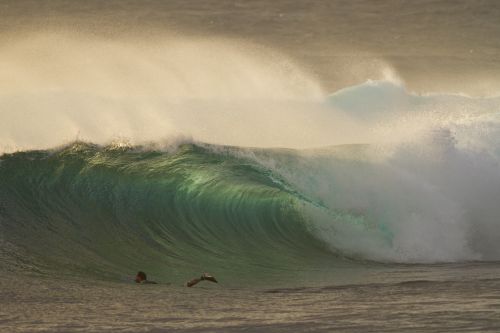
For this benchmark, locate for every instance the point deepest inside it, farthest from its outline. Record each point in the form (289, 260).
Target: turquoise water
(269, 215)
(107, 212)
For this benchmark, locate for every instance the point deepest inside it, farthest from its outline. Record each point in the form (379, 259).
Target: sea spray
(416, 179)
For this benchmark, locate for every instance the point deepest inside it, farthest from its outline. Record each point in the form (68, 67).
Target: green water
(107, 212)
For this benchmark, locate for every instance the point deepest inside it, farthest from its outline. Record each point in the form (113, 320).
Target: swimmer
(204, 276)
(142, 278)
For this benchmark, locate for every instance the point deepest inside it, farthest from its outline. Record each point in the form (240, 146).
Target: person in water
(142, 278)
(204, 276)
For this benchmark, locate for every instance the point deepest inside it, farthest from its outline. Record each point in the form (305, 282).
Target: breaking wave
(398, 176)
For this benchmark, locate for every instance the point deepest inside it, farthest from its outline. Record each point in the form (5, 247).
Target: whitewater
(178, 156)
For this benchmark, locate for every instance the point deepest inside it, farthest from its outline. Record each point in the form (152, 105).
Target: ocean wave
(101, 210)
(106, 210)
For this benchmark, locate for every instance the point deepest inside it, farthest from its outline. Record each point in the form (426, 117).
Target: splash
(55, 87)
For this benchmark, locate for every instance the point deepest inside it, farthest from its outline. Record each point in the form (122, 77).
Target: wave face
(109, 210)
(87, 209)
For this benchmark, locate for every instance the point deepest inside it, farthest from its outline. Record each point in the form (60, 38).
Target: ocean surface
(334, 164)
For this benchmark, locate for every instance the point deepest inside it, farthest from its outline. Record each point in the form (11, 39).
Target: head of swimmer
(141, 276)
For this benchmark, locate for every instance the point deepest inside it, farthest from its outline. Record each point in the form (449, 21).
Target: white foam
(427, 187)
